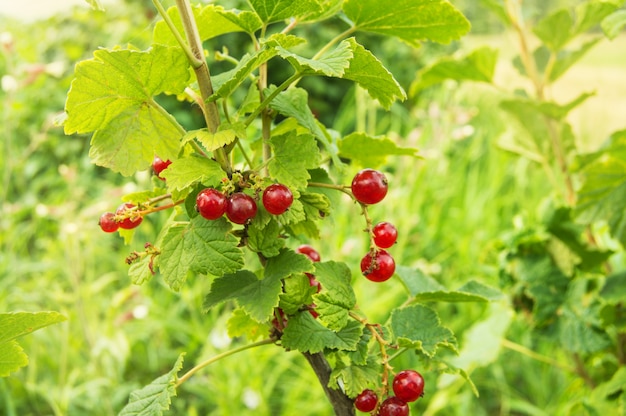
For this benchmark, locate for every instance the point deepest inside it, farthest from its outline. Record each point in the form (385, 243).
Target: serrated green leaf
(371, 151)
(590, 14)
(419, 327)
(293, 155)
(112, 95)
(306, 334)
(361, 355)
(276, 10)
(316, 206)
(479, 66)
(17, 324)
(555, 29)
(297, 292)
(286, 263)
(265, 240)
(248, 21)
(327, 9)
(410, 20)
(578, 335)
(186, 172)
(225, 135)
(199, 246)
(613, 24)
(355, 378)
(337, 297)
(242, 324)
(294, 102)
(141, 271)
(565, 59)
(331, 64)
(603, 190)
(614, 289)
(154, 398)
(367, 71)
(210, 20)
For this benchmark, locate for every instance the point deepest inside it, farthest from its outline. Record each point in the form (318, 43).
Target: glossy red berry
(310, 252)
(159, 165)
(277, 198)
(211, 203)
(129, 222)
(385, 234)
(366, 401)
(369, 186)
(408, 385)
(378, 266)
(393, 406)
(107, 222)
(240, 208)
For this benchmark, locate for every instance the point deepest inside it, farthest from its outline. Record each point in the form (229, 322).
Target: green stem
(218, 357)
(195, 62)
(535, 356)
(267, 100)
(333, 41)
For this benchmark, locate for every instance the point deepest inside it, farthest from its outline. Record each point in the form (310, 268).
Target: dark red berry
(211, 203)
(385, 234)
(277, 198)
(313, 282)
(408, 385)
(312, 311)
(159, 165)
(107, 222)
(310, 252)
(240, 208)
(366, 401)
(378, 266)
(130, 221)
(369, 186)
(393, 406)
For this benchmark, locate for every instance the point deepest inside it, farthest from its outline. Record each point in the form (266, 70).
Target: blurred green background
(451, 208)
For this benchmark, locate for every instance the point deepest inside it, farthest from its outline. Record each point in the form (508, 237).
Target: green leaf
(199, 246)
(555, 30)
(275, 10)
(96, 5)
(185, 172)
(154, 398)
(355, 378)
(565, 59)
(331, 64)
(367, 71)
(258, 297)
(603, 190)
(337, 297)
(327, 9)
(17, 324)
(426, 289)
(371, 151)
(242, 324)
(613, 24)
(477, 66)
(306, 334)
(112, 95)
(294, 102)
(226, 134)
(591, 13)
(211, 21)
(293, 155)
(265, 240)
(410, 20)
(614, 289)
(419, 327)
(578, 335)
(248, 21)
(297, 292)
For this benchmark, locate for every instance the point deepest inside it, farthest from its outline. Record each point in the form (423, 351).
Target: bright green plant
(247, 192)
(561, 271)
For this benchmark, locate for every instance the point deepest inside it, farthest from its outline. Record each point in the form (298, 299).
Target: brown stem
(342, 404)
(582, 371)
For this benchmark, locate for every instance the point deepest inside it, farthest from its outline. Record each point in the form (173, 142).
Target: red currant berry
(366, 401)
(240, 208)
(408, 385)
(128, 223)
(385, 234)
(277, 198)
(310, 252)
(393, 406)
(312, 311)
(313, 282)
(378, 266)
(369, 186)
(211, 203)
(159, 165)
(107, 222)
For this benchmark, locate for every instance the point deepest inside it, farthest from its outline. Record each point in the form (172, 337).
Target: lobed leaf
(306, 334)
(337, 297)
(355, 378)
(276, 10)
(331, 64)
(419, 327)
(293, 156)
(410, 20)
(185, 172)
(154, 398)
(371, 151)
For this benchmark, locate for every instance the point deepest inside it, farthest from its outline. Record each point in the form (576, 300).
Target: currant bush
(211, 203)
(378, 266)
(369, 186)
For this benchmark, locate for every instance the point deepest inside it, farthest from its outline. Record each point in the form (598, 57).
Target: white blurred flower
(41, 210)
(9, 83)
(140, 311)
(219, 338)
(251, 398)
(6, 40)
(56, 69)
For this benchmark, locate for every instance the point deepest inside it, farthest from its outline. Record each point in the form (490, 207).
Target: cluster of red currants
(369, 187)
(124, 217)
(240, 207)
(408, 386)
